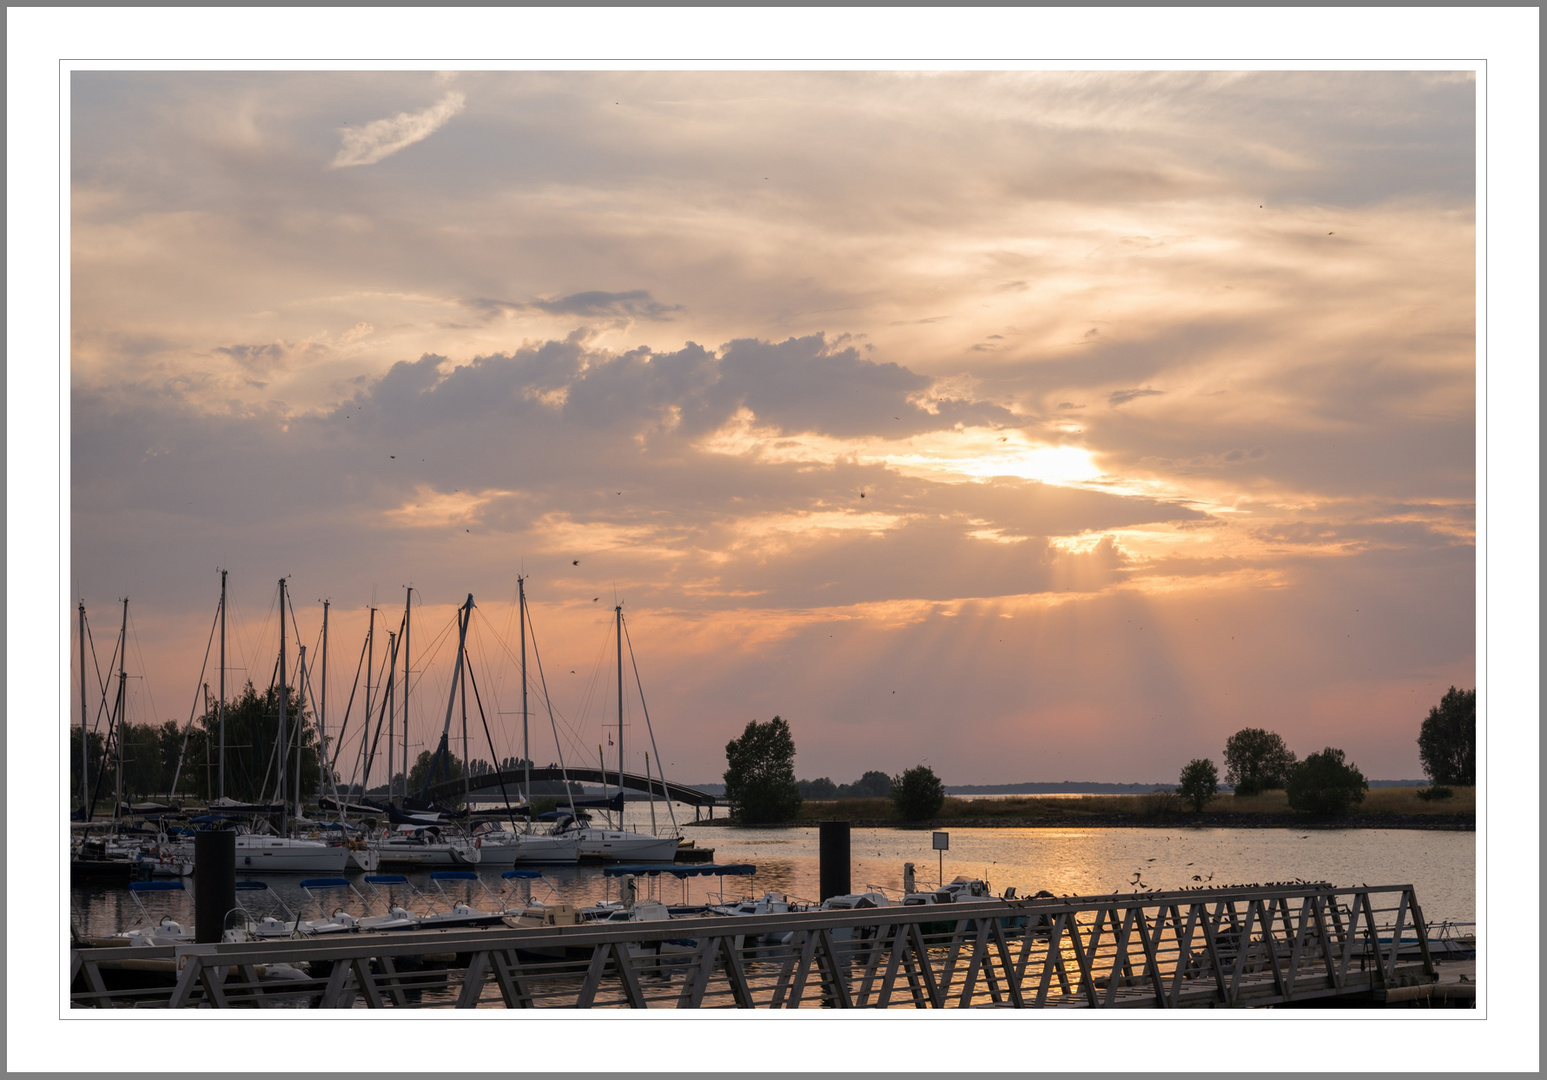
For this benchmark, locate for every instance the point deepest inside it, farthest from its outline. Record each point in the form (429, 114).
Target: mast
(223, 684)
(526, 746)
(322, 718)
(123, 678)
(392, 720)
(467, 777)
(619, 612)
(407, 611)
(284, 704)
(370, 647)
(370, 661)
(208, 764)
(650, 784)
(465, 616)
(300, 681)
(85, 768)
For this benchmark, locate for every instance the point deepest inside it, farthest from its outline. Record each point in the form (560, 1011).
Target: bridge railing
(1235, 947)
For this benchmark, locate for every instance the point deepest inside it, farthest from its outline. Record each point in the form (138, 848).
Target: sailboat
(620, 844)
(255, 852)
(505, 848)
(421, 838)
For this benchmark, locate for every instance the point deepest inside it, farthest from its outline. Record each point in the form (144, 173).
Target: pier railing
(1246, 946)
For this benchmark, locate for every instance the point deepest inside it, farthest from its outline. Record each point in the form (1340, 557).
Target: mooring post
(214, 889)
(833, 875)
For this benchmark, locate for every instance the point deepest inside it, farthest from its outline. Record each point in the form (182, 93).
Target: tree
(448, 768)
(873, 785)
(252, 728)
(1199, 783)
(1447, 742)
(760, 774)
(1323, 784)
(820, 788)
(95, 747)
(918, 794)
(1257, 760)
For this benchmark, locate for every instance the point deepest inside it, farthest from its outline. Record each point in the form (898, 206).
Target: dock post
(214, 888)
(833, 848)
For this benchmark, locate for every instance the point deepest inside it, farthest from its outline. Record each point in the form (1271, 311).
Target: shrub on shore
(1325, 784)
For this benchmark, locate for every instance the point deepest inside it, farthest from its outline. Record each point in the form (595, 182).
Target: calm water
(1442, 866)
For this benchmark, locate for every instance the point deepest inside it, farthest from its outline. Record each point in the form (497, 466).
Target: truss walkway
(1216, 948)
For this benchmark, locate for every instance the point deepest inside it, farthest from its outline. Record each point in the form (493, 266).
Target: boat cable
(306, 693)
(194, 708)
(660, 765)
(344, 726)
(381, 716)
(473, 682)
(548, 701)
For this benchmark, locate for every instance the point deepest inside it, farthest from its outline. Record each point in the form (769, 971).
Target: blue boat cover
(521, 874)
(386, 879)
(324, 882)
(155, 886)
(249, 886)
(453, 875)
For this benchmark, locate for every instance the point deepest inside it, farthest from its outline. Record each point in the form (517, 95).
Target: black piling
(833, 876)
(214, 891)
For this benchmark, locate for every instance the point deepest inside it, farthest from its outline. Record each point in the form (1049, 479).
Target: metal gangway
(1247, 946)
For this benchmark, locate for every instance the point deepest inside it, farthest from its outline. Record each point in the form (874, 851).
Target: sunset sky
(1032, 425)
(1181, 398)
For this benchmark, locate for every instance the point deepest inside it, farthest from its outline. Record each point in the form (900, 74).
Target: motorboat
(244, 924)
(460, 912)
(165, 930)
(844, 902)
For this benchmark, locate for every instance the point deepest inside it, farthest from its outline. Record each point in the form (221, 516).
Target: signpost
(942, 845)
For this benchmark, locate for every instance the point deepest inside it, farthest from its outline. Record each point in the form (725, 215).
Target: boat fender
(478, 841)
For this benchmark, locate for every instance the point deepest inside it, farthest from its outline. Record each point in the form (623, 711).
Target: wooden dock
(1244, 947)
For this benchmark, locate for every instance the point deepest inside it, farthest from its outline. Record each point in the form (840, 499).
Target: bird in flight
(575, 563)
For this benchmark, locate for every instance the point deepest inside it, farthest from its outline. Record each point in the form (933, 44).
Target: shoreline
(1433, 822)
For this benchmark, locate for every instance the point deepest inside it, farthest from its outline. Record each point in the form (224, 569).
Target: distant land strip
(1074, 787)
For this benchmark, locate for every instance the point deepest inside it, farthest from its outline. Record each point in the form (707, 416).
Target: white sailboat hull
(278, 854)
(429, 856)
(529, 850)
(626, 846)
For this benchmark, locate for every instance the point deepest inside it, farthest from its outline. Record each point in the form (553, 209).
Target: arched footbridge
(487, 784)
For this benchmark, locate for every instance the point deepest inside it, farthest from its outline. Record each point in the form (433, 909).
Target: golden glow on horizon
(957, 456)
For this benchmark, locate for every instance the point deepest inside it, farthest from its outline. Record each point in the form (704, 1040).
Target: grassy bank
(1381, 806)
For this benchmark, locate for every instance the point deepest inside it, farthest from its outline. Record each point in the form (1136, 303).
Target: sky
(1032, 425)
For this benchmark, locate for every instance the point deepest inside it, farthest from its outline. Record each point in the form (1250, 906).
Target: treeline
(151, 752)
(873, 785)
(451, 769)
(1326, 783)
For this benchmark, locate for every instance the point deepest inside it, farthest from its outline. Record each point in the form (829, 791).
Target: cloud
(633, 304)
(258, 359)
(1122, 397)
(382, 138)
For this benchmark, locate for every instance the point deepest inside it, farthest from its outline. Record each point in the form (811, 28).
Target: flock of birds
(1138, 886)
